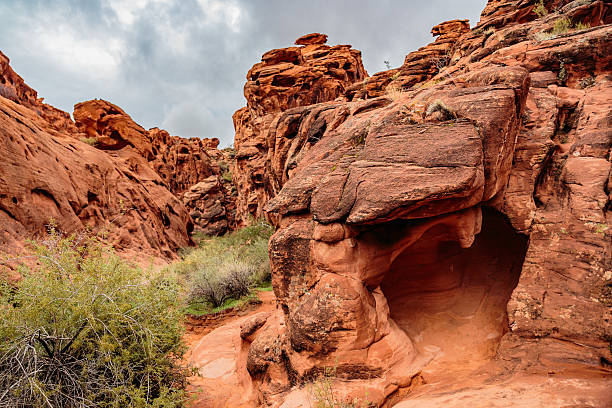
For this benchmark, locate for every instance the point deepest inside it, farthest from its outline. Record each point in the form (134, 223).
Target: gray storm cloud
(181, 64)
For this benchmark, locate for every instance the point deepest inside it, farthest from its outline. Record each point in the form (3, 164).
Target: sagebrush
(222, 269)
(84, 329)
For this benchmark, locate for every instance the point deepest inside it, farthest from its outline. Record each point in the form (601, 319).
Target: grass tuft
(439, 106)
(540, 9)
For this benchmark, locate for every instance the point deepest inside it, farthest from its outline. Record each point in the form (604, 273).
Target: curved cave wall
(451, 301)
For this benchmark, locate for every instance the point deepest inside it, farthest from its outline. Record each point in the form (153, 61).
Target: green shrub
(227, 176)
(226, 173)
(86, 329)
(230, 279)
(540, 10)
(92, 141)
(562, 74)
(581, 26)
(224, 269)
(562, 26)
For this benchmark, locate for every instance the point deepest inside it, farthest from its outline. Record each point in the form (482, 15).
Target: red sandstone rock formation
(285, 79)
(111, 128)
(206, 201)
(48, 175)
(313, 38)
(418, 66)
(181, 163)
(455, 231)
(105, 171)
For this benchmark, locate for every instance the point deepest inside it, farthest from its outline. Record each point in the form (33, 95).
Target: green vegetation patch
(224, 271)
(92, 141)
(84, 328)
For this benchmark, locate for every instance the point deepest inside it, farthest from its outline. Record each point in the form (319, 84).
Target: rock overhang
(395, 159)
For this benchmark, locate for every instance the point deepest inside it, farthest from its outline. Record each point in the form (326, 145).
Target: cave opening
(451, 301)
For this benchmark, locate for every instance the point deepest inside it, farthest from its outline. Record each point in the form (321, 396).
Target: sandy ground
(219, 354)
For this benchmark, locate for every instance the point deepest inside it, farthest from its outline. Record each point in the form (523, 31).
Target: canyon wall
(448, 219)
(104, 172)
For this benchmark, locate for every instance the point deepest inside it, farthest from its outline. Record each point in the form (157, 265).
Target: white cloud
(222, 12)
(127, 10)
(61, 37)
(95, 58)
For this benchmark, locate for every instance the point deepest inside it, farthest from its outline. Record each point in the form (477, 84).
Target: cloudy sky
(181, 64)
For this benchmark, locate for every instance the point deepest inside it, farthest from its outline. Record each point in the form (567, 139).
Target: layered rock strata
(285, 79)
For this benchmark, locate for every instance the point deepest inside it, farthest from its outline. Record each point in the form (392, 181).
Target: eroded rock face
(110, 128)
(181, 163)
(103, 172)
(206, 201)
(458, 225)
(48, 175)
(286, 79)
(313, 38)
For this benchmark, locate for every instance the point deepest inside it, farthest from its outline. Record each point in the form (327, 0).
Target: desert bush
(92, 141)
(439, 106)
(394, 91)
(226, 176)
(562, 26)
(441, 62)
(230, 279)
(562, 74)
(581, 26)
(540, 9)
(587, 82)
(226, 173)
(322, 394)
(86, 329)
(222, 269)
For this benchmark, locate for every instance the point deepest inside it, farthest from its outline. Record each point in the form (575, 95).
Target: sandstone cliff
(181, 163)
(444, 221)
(103, 171)
(286, 79)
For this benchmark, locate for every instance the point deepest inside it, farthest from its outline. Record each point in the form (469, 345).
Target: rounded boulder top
(312, 38)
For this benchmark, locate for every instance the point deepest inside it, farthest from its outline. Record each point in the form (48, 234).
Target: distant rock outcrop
(285, 80)
(181, 163)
